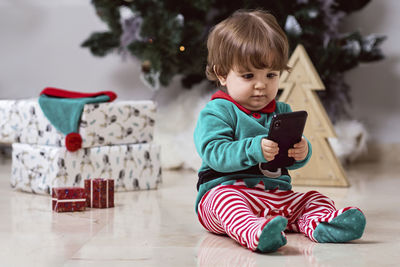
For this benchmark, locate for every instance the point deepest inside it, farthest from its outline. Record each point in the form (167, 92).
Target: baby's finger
(269, 149)
(270, 158)
(298, 145)
(296, 153)
(294, 150)
(299, 150)
(303, 142)
(269, 143)
(299, 157)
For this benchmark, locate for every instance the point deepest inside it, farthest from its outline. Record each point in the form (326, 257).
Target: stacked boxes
(116, 144)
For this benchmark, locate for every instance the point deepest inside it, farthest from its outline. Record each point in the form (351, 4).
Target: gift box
(66, 199)
(99, 193)
(111, 123)
(37, 168)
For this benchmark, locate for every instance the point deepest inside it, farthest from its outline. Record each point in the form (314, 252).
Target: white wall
(40, 46)
(376, 86)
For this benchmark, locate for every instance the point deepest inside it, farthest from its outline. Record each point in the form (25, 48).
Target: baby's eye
(271, 75)
(248, 76)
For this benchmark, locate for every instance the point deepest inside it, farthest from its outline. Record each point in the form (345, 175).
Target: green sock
(346, 227)
(271, 237)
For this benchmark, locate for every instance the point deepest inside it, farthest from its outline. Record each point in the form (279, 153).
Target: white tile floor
(160, 228)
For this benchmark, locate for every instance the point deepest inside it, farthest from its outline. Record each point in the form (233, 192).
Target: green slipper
(347, 226)
(271, 237)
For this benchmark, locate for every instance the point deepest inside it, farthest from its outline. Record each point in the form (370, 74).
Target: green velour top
(229, 140)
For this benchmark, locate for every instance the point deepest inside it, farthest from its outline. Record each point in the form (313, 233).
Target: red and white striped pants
(242, 212)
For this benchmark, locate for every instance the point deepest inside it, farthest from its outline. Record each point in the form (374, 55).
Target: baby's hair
(245, 40)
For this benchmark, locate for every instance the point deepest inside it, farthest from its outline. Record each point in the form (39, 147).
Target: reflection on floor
(160, 228)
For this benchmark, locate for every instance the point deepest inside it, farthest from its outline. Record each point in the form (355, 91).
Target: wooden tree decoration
(299, 86)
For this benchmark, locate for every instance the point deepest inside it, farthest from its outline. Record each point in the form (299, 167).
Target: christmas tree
(169, 37)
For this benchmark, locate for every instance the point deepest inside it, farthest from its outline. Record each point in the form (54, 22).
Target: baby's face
(254, 89)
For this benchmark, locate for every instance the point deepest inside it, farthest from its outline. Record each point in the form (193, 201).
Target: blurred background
(41, 46)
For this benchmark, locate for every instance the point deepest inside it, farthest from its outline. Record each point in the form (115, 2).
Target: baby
(246, 54)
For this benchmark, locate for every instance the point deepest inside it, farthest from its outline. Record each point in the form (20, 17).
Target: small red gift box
(68, 199)
(99, 193)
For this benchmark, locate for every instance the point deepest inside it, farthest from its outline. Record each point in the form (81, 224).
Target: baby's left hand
(299, 150)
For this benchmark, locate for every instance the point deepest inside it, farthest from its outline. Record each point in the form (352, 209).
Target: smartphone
(286, 129)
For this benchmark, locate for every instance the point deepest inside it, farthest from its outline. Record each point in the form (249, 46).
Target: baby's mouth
(259, 96)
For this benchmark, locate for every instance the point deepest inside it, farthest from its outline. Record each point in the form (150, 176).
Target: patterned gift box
(68, 199)
(99, 193)
(113, 123)
(38, 168)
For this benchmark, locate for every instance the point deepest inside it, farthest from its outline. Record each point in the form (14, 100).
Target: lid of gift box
(101, 124)
(68, 192)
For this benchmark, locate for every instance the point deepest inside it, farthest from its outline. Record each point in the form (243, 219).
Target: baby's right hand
(269, 149)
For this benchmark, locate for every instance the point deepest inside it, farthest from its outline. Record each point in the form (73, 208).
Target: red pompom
(73, 142)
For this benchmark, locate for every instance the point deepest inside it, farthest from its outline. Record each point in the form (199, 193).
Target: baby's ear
(221, 79)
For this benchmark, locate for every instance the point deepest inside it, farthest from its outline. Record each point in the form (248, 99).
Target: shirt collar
(267, 109)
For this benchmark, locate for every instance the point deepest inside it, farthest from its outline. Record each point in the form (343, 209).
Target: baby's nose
(259, 85)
